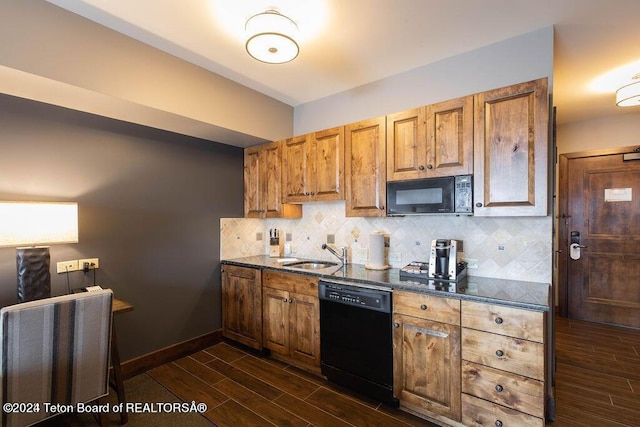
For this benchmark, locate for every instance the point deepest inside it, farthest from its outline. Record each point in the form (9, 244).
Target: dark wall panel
(150, 204)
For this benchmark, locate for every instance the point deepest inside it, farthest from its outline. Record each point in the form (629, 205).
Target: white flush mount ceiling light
(629, 95)
(271, 37)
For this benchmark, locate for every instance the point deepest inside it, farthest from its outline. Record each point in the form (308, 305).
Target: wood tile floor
(597, 384)
(242, 388)
(598, 375)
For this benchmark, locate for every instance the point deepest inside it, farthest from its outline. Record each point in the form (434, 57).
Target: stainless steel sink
(311, 264)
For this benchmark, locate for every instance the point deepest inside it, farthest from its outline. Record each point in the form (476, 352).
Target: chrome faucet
(342, 258)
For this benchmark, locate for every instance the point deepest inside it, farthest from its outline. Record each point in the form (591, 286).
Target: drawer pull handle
(498, 423)
(499, 353)
(499, 388)
(499, 320)
(423, 307)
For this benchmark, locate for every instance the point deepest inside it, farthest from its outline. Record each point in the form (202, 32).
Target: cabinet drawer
(507, 389)
(437, 309)
(498, 319)
(506, 353)
(298, 283)
(478, 412)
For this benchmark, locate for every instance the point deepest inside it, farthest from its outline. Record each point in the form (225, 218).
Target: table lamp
(36, 223)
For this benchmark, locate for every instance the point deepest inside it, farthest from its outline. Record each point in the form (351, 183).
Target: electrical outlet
(91, 262)
(395, 257)
(471, 263)
(66, 266)
(359, 255)
(331, 239)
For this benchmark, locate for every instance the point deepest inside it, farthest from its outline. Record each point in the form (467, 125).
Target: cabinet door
(294, 169)
(275, 313)
(450, 137)
(510, 150)
(365, 171)
(325, 172)
(242, 305)
(253, 183)
(272, 190)
(305, 329)
(406, 145)
(427, 366)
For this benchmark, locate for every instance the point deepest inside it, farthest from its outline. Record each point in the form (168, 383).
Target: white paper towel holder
(370, 266)
(376, 267)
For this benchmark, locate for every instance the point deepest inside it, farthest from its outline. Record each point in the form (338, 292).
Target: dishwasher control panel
(373, 299)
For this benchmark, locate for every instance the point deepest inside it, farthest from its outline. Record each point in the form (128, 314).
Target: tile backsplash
(506, 247)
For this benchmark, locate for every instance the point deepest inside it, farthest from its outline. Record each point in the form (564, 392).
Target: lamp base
(34, 275)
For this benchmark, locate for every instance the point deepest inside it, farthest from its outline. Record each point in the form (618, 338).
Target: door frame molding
(562, 251)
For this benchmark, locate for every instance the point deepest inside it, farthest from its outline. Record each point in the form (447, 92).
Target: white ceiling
(348, 43)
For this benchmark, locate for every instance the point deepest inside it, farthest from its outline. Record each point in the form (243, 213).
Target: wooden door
(427, 373)
(325, 168)
(242, 305)
(511, 128)
(406, 145)
(365, 171)
(600, 199)
(450, 137)
(294, 169)
(253, 183)
(271, 190)
(275, 312)
(304, 339)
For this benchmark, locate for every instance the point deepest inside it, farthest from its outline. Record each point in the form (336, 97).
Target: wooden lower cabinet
(242, 305)
(503, 366)
(291, 318)
(427, 356)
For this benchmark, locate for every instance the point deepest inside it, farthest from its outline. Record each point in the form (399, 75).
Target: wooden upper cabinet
(313, 166)
(327, 170)
(431, 141)
(406, 145)
(510, 152)
(262, 184)
(450, 137)
(365, 169)
(294, 169)
(253, 183)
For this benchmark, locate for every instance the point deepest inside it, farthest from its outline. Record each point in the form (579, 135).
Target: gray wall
(519, 59)
(149, 207)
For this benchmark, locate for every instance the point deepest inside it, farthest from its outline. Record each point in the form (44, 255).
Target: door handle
(574, 250)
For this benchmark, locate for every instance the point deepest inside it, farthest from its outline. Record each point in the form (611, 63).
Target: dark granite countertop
(531, 295)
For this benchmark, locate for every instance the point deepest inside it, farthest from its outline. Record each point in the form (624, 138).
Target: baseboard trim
(143, 363)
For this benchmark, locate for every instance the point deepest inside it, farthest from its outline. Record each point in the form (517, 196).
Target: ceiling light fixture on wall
(629, 95)
(271, 37)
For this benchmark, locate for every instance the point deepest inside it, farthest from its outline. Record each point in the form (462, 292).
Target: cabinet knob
(429, 167)
(284, 300)
(396, 325)
(498, 423)
(421, 167)
(381, 207)
(499, 320)
(499, 353)
(423, 307)
(478, 205)
(499, 388)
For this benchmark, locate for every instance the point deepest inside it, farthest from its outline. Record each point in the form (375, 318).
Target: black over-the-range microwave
(441, 195)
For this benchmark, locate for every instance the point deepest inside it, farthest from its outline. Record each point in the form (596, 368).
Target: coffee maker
(443, 261)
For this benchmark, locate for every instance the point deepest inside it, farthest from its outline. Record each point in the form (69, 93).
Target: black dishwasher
(356, 348)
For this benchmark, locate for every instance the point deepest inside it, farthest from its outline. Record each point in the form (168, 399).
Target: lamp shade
(38, 223)
(271, 37)
(629, 95)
